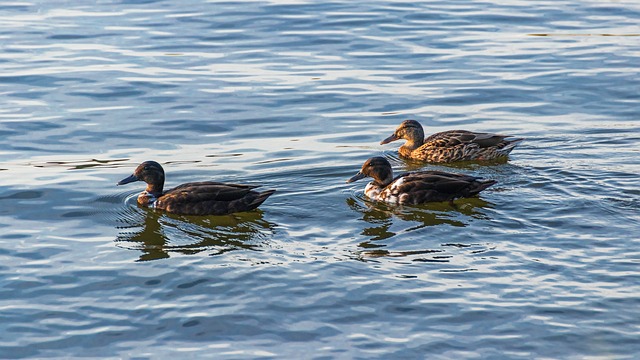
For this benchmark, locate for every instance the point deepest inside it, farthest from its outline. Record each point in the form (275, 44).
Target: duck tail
(511, 144)
(260, 198)
(480, 185)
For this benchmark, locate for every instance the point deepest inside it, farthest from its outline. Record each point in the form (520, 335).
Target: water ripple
(295, 96)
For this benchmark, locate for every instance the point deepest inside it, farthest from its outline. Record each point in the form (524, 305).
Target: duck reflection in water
(385, 221)
(161, 234)
(381, 215)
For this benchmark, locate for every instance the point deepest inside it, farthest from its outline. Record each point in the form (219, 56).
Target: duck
(194, 198)
(416, 187)
(450, 146)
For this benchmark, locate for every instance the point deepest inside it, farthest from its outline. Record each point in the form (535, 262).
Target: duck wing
(427, 186)
(210, 190)
(440, 181)
(210, 198)
(453, 138)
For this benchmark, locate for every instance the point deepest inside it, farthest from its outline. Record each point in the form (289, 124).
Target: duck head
(409, 130)
(150, 172)
(377, 168)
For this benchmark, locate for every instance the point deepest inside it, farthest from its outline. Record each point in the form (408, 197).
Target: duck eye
(146, 168)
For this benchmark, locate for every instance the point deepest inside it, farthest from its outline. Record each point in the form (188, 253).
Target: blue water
(296, 96)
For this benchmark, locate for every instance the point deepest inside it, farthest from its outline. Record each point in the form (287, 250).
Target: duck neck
(415, 139)
(155, 189)
(383, 182)
(413, 143)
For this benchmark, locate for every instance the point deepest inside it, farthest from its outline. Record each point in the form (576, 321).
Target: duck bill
(357, 177)
(389, 139)
(127, 180)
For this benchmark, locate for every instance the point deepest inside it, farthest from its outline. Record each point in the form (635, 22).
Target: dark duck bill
(391, 138)
(128, 180)
(357, 177)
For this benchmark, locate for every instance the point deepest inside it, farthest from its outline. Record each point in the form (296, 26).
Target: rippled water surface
(295, 96)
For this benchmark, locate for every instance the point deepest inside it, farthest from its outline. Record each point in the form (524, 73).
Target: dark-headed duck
(450, 146)
(196, 198)
(417, 187)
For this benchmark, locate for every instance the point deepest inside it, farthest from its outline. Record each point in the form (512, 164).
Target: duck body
(195, 198)
(450, 146)
(417, 187)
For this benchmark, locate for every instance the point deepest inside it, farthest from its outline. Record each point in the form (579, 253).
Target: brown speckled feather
(462, 137)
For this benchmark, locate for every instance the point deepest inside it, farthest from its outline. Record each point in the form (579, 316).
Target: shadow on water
(387, 221)
(381, 216)
(157, 235)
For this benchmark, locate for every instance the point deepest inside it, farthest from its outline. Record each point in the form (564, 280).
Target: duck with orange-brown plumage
(450, 146)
